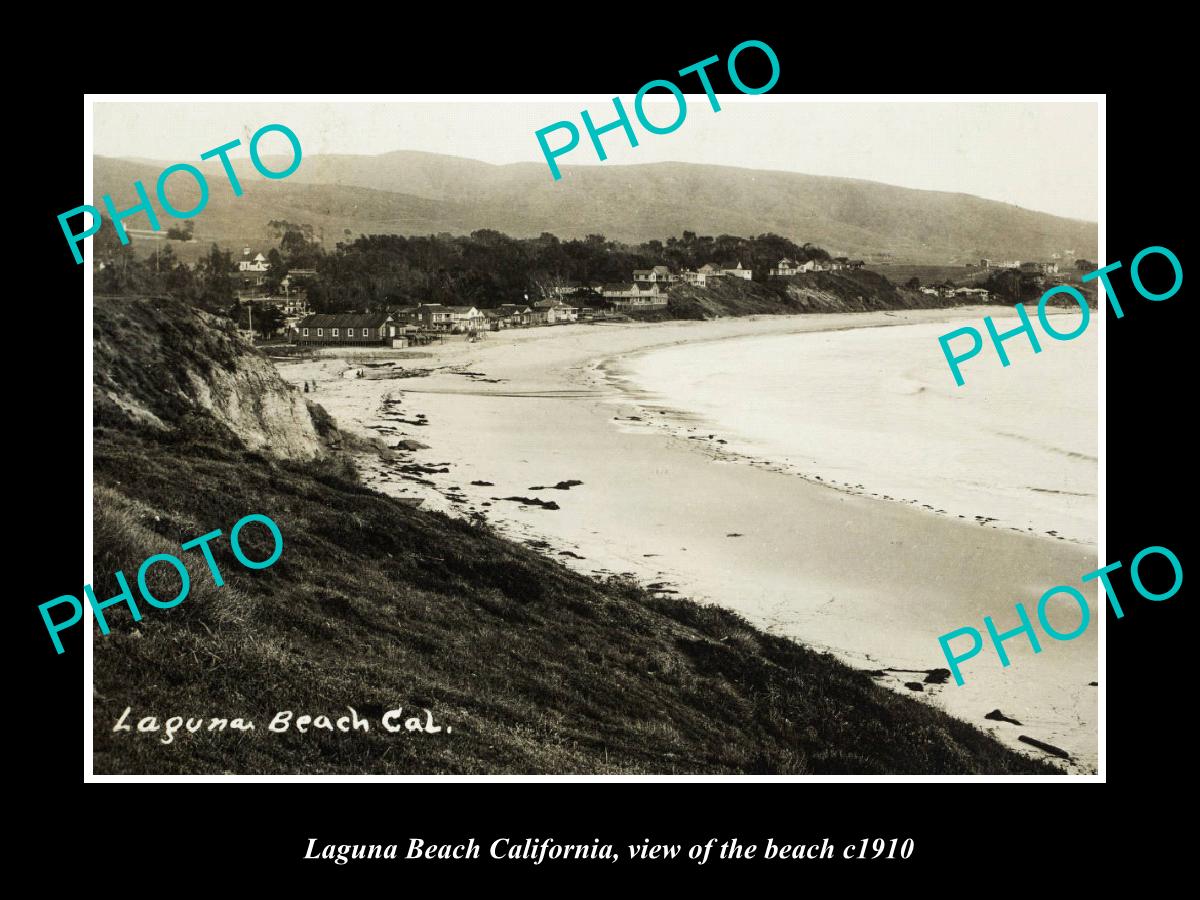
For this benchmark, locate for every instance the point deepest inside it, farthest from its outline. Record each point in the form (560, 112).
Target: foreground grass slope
(375, 605)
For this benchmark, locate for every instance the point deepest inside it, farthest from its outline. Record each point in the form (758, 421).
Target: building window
(306, 332)
(349, 332)
(320, 332)
(335, 332)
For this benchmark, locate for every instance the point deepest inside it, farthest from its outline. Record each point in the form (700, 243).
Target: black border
(169, 831)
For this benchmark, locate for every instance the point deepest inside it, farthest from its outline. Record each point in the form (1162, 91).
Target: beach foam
(1014, 447)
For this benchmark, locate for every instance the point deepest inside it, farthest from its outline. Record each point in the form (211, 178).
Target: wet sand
(593, 474)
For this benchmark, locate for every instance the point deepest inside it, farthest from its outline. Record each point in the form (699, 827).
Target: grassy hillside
(374, 604)
(234, 222)
(419, 193)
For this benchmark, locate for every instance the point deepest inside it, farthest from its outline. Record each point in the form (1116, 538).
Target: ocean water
(876, 411)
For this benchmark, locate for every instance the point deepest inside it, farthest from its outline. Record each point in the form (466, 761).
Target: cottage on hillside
(252, 262)
(739, 272)
(974, 293)
(658, 275)
(791, 267)
(296, 304)
(632, 296)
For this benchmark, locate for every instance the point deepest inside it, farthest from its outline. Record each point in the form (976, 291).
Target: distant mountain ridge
(411, 192)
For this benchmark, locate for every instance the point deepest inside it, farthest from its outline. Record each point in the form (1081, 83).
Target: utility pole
(250, 311)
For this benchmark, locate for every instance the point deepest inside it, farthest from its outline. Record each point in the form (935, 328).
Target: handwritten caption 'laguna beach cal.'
(283, 721)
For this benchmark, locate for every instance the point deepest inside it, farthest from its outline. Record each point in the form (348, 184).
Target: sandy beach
(547, 435)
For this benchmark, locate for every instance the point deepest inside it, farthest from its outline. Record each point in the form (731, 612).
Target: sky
(1038, 155)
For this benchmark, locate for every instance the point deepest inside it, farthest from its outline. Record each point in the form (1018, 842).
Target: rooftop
(346, 320)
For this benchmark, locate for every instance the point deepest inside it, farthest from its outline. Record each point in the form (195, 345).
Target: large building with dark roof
(350, 328)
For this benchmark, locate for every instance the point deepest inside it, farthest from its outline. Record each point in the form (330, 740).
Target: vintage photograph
(660, 467)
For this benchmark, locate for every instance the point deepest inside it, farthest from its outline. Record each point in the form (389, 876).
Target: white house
(658, 275)
(631, 295)
(791, 267)
(977, 293)
(516, 314)
(435, 317)
(296, 305)
(707, 272)
(739, 272)
(255, 263)
(556, 312)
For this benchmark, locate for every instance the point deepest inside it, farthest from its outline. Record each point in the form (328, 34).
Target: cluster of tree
(487, 268)
(181, 232)
(265, 319)
(298, 246)
(1015, 286)
(210, 284)
(483, 269)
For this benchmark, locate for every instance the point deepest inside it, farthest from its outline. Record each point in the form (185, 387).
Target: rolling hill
(408, 192)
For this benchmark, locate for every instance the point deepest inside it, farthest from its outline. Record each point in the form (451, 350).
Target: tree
(266, 320)
(299, 247)
(913, 283)
(279, 227)
(276, 271)
(181, 232)
(487, 268)
(216, 285)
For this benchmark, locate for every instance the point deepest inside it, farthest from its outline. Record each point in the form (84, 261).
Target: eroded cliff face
(260, 408)
(158, 362)
(815, 292)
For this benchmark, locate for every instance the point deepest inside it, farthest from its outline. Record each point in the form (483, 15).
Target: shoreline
(521, 434)
(724, 440)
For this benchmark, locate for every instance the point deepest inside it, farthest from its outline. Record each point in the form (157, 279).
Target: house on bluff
(788, 267)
